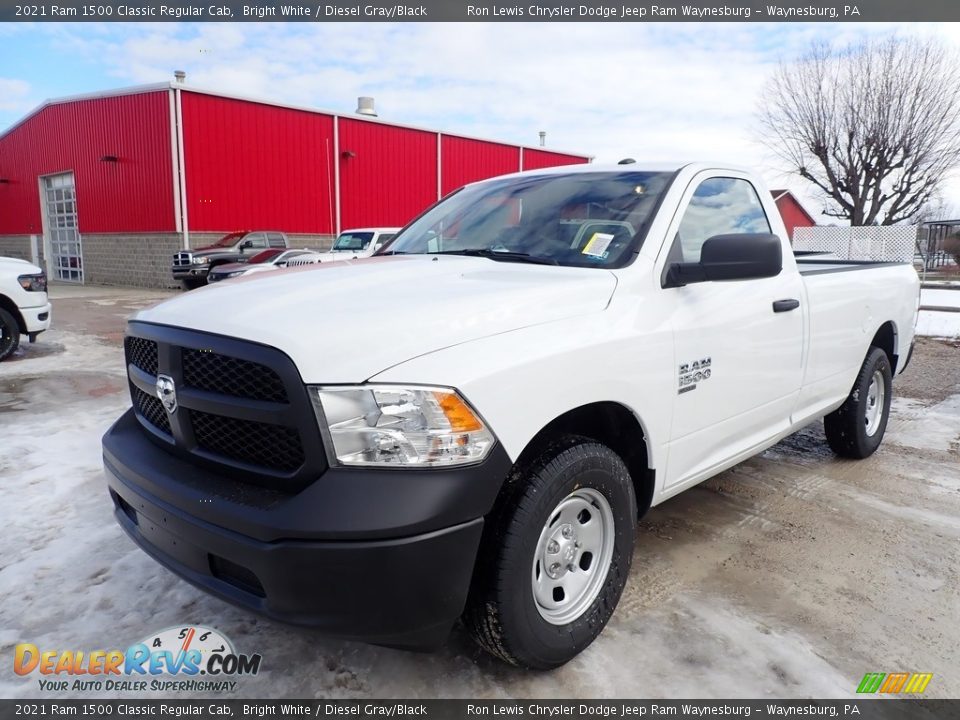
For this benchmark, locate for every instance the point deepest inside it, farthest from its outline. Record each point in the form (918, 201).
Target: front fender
(522, 380)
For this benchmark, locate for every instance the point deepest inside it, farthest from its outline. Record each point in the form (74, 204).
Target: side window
(257, 240)
(720, 206)
(276, 240)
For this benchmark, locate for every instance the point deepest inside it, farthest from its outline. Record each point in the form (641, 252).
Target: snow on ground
(942, 298)
(938, 323)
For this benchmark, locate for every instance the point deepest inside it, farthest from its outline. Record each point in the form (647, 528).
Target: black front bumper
(186, 272)
(384, 556)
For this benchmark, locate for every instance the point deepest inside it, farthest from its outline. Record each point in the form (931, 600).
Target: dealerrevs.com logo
(191, 658)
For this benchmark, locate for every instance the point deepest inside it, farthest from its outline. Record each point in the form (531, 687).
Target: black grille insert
(141, 353)
(152, 410)
(270, 446)
(243, 409)
(217, 373)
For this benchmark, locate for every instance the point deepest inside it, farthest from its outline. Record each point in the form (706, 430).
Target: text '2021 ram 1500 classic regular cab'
(24, 306)
(519, 375)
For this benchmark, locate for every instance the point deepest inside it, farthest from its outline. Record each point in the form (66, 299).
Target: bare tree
(874, 126)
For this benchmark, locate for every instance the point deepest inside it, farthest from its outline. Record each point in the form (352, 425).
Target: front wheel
(855, 429)
(555, 557)
(9, 334)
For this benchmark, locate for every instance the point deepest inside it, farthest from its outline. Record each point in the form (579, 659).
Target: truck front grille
(141, 353)
(271, 446)
(151, 410)
(217, 373)
(241, 406)
(182, 259)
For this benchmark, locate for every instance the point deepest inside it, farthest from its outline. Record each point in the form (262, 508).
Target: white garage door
(66, 252)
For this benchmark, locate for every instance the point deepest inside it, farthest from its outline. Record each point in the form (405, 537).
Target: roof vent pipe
(365, 106)
(180, 76)
(543, 137)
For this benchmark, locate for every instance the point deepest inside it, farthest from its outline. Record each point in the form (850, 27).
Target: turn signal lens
(460, 416)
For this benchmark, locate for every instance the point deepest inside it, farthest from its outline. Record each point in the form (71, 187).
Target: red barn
(104, 188)
(793, 213)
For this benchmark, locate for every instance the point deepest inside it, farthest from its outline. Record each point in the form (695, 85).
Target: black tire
(502, 613)
(847, 427)
(9, 335)
(193, 283)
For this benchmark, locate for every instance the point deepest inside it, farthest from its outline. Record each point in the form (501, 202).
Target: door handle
(785, 305)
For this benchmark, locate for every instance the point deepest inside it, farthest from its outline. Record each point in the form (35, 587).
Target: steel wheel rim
(873, 407)
(572, 557)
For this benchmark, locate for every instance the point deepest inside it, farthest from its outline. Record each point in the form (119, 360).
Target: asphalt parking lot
(791, 575)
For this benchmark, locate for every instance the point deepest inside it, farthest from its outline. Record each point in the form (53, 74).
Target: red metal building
(106, 187)
(793, 213)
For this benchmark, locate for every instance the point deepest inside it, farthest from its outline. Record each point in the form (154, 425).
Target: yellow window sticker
(597, 245)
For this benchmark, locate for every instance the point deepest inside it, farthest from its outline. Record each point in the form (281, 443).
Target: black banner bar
(779, 11)
(470, 709)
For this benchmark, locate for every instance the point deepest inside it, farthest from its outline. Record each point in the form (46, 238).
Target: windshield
(353, 241)
(228, 240)
(265, 256)
(578, 219)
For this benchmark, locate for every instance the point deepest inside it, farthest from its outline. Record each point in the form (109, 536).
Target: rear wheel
(555, 557)
(192, 283)
(9, 334)
(856, 428)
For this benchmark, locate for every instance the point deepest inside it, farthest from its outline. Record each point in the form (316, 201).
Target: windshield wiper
(507, 255)
(393, 252)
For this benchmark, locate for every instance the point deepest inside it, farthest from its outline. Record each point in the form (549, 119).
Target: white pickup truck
(24, 307)
(501, 393)
(349, 245)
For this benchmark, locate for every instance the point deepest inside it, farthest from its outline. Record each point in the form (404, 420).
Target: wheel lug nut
(567, 532)
(553, 547)
(554, 569)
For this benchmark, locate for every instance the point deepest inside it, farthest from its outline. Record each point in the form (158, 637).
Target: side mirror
(246, 244)
(377, 246)
(741, 256)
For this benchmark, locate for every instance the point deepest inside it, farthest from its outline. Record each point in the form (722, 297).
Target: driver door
(738, 361)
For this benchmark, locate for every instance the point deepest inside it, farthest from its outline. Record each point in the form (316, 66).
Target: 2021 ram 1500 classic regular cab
(24, 307)
(518, 376)
(191, 267)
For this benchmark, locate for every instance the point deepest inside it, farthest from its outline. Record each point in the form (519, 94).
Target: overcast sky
(648, 91)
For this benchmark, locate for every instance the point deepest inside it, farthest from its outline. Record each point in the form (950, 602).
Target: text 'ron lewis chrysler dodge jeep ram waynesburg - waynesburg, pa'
(502, 390)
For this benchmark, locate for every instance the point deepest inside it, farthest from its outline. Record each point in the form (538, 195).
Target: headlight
(202, 260)
(33, 283)
(412, 426)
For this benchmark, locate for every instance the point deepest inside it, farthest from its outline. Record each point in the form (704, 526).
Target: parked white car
(475, 428)
(24, 307)
(263, 261)
(350, 245)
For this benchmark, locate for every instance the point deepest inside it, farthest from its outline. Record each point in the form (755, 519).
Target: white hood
(18, 266)
(343, 323)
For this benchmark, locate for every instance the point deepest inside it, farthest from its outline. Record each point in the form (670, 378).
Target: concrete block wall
(17, 246)
(133, 260)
